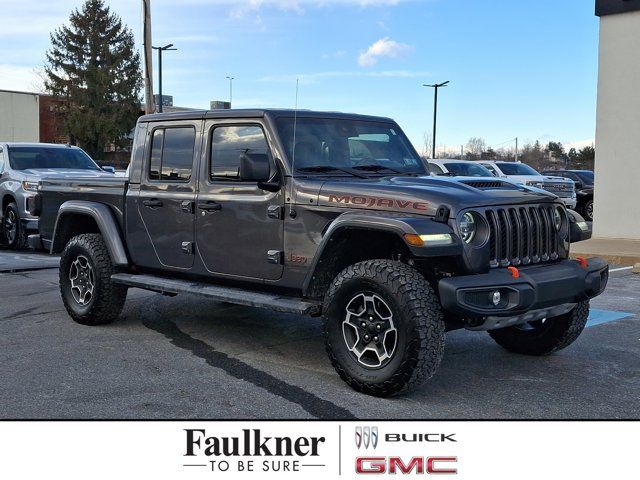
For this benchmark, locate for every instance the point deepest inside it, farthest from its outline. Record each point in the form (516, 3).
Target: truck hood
(424, 195)
(59, 173)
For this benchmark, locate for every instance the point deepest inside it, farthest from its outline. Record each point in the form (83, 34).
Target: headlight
(30, 186)
(468, 227)
(535, 184)
(557, 218)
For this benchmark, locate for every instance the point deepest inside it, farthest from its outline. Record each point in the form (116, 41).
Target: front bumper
(570, 202)
(538, 288)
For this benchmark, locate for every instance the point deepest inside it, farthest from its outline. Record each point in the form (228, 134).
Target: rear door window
(172, 154)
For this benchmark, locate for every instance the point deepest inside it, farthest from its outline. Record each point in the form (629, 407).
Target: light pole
(435, 86)
(231, 79)
(160, 50)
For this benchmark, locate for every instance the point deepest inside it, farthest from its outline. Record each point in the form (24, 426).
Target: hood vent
(490, 184)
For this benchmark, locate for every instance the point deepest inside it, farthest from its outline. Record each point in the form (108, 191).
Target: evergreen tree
(94, 66)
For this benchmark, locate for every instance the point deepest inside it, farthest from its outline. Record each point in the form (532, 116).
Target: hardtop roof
(256, 113)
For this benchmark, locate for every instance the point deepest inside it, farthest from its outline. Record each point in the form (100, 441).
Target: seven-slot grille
(522, 235)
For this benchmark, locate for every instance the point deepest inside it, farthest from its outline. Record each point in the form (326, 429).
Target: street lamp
(231, 79)
(160, 50)
(435, 86)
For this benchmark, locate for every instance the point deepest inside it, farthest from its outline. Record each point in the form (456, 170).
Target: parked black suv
(584, 181)
(323, 214)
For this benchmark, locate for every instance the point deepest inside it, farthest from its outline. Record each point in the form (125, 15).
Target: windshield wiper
(329, 168)
(375, 168)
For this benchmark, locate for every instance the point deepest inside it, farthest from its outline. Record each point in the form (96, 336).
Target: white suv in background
(457, 168)
(524, 174)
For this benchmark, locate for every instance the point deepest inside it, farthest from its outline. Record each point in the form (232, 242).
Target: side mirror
(108, 168)
(579, 185)
(254, 167)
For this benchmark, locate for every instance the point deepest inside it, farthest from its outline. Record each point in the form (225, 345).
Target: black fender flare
(398, 225)
(106, 222)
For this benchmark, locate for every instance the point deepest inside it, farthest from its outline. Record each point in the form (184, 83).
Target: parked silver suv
(22, 166)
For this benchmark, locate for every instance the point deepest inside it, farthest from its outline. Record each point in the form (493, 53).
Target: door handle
(210, 206)
(152, 203)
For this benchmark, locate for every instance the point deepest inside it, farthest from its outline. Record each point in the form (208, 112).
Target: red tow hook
(583, 261)
(515, 273)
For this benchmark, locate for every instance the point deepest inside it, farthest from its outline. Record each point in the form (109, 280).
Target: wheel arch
(353, 238)
(77, 217)
(7, 198)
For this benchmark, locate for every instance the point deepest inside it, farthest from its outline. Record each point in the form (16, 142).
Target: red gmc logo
(417, 465)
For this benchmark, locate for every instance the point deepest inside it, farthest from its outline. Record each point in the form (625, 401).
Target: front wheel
(85, 281)
(544, 337)
(384, 328)
(12, 232)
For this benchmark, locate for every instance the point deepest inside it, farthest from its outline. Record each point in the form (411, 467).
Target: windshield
(460, 169)
(517, 169)
(25, 158)
(586, 177)
(324, 145)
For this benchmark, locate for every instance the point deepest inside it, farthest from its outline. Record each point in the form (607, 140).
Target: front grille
(522, 235)
(561, 189)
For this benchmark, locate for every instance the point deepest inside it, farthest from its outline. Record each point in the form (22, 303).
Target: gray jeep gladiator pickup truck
(323, 214)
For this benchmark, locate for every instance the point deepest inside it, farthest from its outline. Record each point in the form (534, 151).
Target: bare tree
(475, 146)
(428, 145)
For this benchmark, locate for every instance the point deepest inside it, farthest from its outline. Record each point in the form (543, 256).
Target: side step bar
(223, 294)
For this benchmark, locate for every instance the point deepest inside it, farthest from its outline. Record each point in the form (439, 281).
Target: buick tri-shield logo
(366, 436)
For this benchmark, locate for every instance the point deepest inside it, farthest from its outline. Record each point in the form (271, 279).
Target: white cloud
(385, 47)
(589, 142)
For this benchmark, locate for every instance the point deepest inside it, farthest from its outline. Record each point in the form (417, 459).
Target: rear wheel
(85, 281)
(13, 232)
(384, 328)
(544, 337)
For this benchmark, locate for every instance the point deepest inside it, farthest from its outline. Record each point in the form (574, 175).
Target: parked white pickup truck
(522, 173)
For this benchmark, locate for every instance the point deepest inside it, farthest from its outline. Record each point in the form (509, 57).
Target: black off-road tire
(549, 337)
(420, 327)
(105, 305)
(20, 237)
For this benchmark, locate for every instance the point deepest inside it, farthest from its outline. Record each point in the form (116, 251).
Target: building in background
(617, 191)
(36, 117)
(19, 116)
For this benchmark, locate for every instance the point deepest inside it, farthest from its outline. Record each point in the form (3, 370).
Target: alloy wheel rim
(82, 280)
(590, 210)
(368, 330)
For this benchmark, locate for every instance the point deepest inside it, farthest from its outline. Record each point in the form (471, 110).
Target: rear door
(240, 227)
(167, 194)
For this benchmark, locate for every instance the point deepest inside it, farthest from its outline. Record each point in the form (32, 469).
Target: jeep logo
(370, 202)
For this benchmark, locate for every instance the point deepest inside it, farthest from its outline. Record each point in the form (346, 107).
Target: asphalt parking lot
(186, 357)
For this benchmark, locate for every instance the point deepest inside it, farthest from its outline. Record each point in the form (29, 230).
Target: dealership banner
(309, 450)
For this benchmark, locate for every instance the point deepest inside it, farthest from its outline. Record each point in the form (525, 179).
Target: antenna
(294, 196)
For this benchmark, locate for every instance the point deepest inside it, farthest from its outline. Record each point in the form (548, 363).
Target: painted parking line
(598, 317)
(622, 269)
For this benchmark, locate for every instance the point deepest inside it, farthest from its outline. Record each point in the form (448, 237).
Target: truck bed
(54, 192)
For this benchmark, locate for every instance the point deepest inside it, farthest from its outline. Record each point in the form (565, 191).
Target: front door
(166, 202)
(239, 227)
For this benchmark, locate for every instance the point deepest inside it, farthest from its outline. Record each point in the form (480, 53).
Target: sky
(517, 68)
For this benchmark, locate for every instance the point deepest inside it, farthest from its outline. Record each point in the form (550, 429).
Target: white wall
(19, 117)
(617, 195)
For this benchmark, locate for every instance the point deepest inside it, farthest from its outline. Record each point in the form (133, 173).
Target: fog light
(496, 298)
